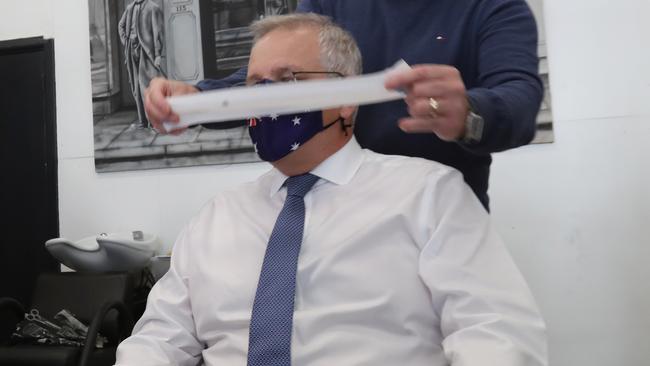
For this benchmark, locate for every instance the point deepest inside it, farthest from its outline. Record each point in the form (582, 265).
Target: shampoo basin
(115, 252)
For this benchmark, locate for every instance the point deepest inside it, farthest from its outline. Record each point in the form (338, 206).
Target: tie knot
(299, 185)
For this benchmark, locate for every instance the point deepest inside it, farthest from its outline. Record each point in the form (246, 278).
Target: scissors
(35, 317)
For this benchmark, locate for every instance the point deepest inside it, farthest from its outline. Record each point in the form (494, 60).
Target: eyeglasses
(294, 76)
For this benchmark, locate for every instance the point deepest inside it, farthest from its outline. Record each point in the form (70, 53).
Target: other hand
(156, 106)
(441, 86)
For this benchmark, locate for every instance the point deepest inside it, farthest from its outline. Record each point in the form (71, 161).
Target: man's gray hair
(338, 50)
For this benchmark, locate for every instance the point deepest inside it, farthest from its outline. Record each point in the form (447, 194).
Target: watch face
(473, 128)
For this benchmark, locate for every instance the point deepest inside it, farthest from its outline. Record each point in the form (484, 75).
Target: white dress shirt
(399, 265)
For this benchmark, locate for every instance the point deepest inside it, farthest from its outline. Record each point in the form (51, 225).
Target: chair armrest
(13, 305)
(9, 305)
(125, 325)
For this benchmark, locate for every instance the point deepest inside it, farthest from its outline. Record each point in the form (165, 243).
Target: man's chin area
(310, 154)
(295, 163)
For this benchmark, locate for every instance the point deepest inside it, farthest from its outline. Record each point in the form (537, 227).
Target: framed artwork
(133, 41)
(545, 116)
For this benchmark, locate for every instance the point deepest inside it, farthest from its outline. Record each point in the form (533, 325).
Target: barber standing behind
(474, 88)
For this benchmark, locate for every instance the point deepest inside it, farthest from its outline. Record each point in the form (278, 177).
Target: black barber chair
(101, 300)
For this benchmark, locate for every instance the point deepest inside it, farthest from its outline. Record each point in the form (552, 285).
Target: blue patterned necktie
(269, 342)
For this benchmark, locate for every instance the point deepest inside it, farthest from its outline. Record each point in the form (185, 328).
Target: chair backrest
(83, 294)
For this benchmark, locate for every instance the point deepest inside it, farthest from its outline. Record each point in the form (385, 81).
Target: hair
(338, 50)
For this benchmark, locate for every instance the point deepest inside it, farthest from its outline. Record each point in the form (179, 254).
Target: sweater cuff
(482, 104)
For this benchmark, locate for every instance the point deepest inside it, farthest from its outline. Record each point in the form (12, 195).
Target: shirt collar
(339, 168)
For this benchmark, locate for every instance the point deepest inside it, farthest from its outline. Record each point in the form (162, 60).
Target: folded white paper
(245, 102)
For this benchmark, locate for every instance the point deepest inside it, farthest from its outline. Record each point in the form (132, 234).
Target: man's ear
(348, 112)
(347, 119)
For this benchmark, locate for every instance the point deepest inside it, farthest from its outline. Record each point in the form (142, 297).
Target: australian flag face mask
(276, 136)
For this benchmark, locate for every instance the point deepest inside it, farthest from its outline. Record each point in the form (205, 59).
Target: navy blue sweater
(493, 43)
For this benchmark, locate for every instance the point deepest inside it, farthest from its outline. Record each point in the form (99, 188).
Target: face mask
(276, 136)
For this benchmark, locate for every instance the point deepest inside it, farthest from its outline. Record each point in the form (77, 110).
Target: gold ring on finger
(434, 107)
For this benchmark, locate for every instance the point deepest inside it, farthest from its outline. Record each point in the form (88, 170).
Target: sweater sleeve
(309, 6)
(235, 78)
(510, 91)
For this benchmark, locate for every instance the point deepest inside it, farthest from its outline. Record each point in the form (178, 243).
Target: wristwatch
(473, 127)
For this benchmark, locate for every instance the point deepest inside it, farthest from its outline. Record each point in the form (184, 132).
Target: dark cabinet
(28, 170)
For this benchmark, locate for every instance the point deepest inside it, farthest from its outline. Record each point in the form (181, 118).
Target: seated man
(338, 255)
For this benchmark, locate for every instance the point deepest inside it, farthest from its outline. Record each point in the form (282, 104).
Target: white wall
(575, 213)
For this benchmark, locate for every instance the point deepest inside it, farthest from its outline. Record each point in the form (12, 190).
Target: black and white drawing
(141, 31)
(132, 41)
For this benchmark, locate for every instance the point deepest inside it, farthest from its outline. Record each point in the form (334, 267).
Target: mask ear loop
(344, 127)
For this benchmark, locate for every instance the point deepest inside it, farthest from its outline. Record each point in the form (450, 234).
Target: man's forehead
(284, 50)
